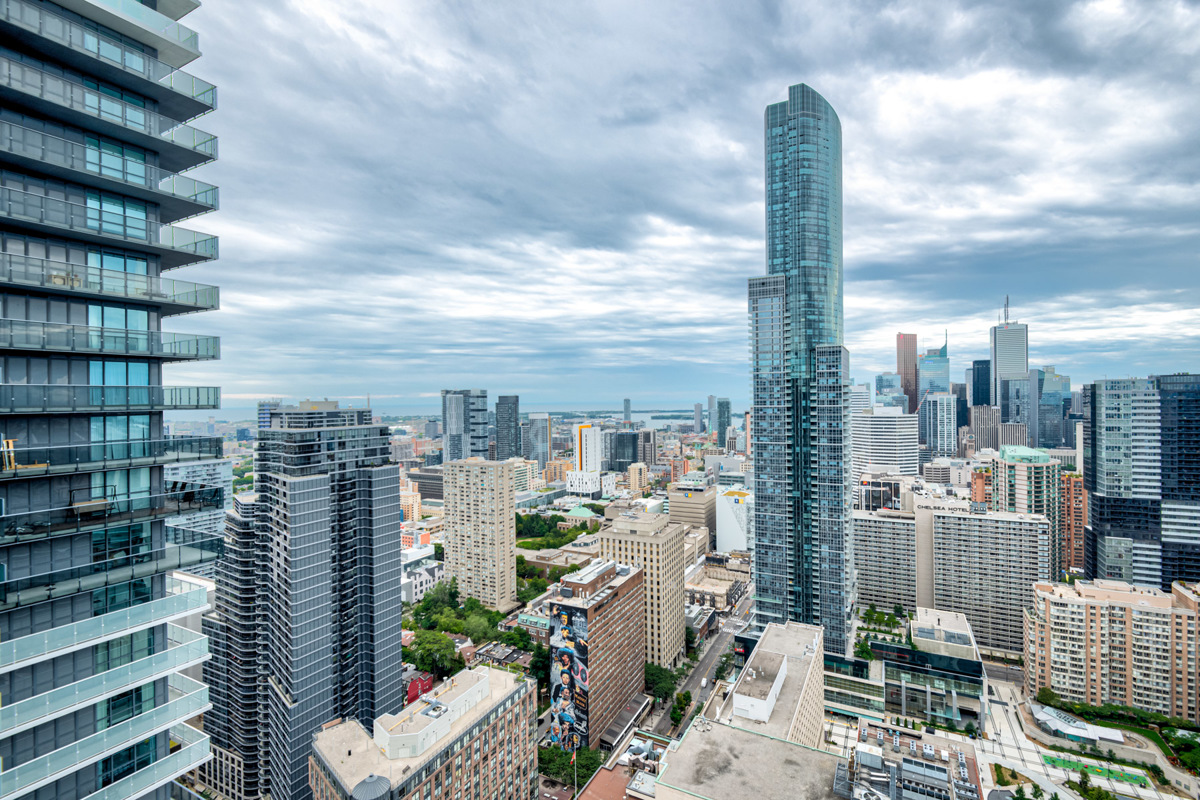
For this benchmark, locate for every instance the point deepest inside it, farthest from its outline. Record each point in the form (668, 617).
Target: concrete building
(654, 544)
(472, 736)
(718, 582)
(628, 410)
(735, 520)
(1073, 520)
(938, 427)
(884, 440)
(885, 552)
(464, 424)
(786, 672)
(539, 447)
(597, 616)
(1102, 641)
(906, 368)
(693, 501)
(1009, 345)
(307, 625)
(1015, 434)
(985, 426)
(1026, 481)
(638, 477)
(481, 532)
(96, 134)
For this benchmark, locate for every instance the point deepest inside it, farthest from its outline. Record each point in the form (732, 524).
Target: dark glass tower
(508, 427)
(800, 384)
(94, 143)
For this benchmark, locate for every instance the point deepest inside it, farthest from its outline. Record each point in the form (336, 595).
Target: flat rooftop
(350, 751)
(800, 645)
(719, 761)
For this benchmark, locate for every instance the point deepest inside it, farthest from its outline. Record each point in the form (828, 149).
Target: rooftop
(1023, 455)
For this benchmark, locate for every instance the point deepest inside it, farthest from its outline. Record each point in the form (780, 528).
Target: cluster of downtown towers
(97, 673)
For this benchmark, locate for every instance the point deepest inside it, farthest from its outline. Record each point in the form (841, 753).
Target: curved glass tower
(800, 381)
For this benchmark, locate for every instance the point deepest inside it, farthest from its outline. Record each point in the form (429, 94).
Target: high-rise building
(711, 419)
(800, 378)
(211, 522)
(985, 426)
(1141, 468)
(906, 366)
(1073, 519)
(481, 531)
(508, 427)
(698, 418)
(1026, 481)
(1050, 395)
(981, 383)
(639, 477)
(889, 391)
(722, 420)
(628, 410)
(933, 371)
(541, 437)
(96, 132)
(961, 406)
(1009, 344)
(884, 441)
(265, 407)
(648, 446)
(938, 423)
(735, 520)
(692, 500)
(464, 424)
(654, 544)
(588, 445)
(625, 450)
(1014, 433)
(307, 623)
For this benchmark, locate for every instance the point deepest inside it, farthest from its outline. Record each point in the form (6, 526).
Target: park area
(1104, 772)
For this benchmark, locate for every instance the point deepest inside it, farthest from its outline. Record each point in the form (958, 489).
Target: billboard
(568, 677)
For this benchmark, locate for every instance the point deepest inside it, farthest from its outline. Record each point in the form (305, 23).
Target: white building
(589, 448)
(1010, 355)
(938, 423)
(735, 520)
(884, 440)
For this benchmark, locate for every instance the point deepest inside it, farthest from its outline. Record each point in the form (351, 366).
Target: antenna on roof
(1005, 309)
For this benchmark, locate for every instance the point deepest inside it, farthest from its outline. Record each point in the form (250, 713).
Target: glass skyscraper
(800, 382)
(95, 141)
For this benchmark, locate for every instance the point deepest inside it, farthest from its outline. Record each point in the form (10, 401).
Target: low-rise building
(717, 582)
(472, 736)
(693, 500)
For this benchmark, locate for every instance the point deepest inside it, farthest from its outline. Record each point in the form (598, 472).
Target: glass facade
(795, 310)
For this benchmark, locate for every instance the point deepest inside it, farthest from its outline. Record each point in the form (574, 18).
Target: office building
(1050, 395)
(464, 424)
(648, 446)
(906, 366)
(638, 477)
(597, 616)
(884, 439)
(980, 383)
(508, 427)
(1108, 642)
(961, 418)
(473, 735)
(692, 500)
(307, 624)
(480, 540)
(889, 391)
(625, 450)
(933, 372)
(1009, 349)
(210, 522)
(654, 544)
(1015, 434)
(1141, 467)
(722, 423)
(628, 410)
(937, 424)
(92, 664)
(800, 378)
(985, 427)
(735, 521)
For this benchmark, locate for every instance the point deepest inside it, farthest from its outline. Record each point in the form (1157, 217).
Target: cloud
(565, 201)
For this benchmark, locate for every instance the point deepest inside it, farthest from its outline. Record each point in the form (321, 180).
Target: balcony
(189, 749)
(176, 44)
(184, 649)
(88, 513)
(176, 247)
(66, 399)
(22, 462)
(177, 93)
(55, 337)
(176, 196)
(169, 295)
(183, 550)
(187, 699)
(182, 598)
(179, 146)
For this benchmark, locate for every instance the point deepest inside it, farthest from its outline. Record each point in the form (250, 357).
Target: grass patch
(1104, 772)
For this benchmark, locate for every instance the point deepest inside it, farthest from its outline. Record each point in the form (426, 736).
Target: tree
(1054, 796)
(1084, 780)
(689, 638)
(479, 629)
(1038, 792)
(434, 652)
(1019, 794)
(660, 682)
(862, 649)
(898, 610)
(676, 715)
(1047, 696)
(519, 638)
(539, 667)
(439, 552)
(970, 729)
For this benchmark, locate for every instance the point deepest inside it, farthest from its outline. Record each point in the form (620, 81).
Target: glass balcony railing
(184, 649)
(189, 749)
(41, 20)
(87, 513)
(53, 151)
(55, 337)
(183, 598)
(47, 87)
(184, 549)
(189, 246)
(159, 23)
(188, 698)
(65, 398)
(59, 276)
(67, 458)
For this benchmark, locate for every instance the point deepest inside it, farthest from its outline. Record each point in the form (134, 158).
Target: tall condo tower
(308, 617)
(94, 136)
(800, 380)
(508, 427)
(464, 424)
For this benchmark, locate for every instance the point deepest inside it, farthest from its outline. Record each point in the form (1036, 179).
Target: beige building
(1106, 641)
(693, 501)
(639, 477)
(785, 674)
(481, 531)
(654, 543)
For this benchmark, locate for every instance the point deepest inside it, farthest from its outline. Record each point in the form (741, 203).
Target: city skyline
(954, 198)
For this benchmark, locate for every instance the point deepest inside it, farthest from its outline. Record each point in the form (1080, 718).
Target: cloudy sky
(564, 200)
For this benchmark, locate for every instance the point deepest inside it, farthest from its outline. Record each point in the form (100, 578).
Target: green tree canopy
(434, 652)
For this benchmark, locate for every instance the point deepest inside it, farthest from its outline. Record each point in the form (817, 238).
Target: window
(117, 215)
(116, 160)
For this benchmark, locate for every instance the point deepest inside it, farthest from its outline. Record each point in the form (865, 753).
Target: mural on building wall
(568, 677)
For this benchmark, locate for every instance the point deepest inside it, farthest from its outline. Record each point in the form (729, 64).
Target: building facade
(906, 367)
(980, 393)
(1009, 344)
(884, 439)
(464, 424)
(985, 426)
(722, 421)
(93, 149)
(481, 531)
(508, 427)
(938, 429)
(801, 510)
(1026, 481)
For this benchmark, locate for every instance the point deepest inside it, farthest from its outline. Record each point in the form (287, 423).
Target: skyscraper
(94, 135)
(1047, 427)
(319, 542)
(508, 427)
(1010, 354)
(698, 418)
(906, 367)
(981, 383)
(722, 420)
(628, 410)
(481, 533)
(711, 419)
(884, 440)
(939, 424)
(541, 429)
(933, 376)
(800, 381)
(464, 424)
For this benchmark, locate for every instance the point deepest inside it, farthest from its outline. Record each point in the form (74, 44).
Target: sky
(564, 200)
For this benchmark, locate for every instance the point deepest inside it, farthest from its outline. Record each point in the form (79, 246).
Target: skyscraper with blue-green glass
(96, 151)
(800, 389)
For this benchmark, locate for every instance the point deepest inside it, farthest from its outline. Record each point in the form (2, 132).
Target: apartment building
(481, 531)
(1073, 520)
